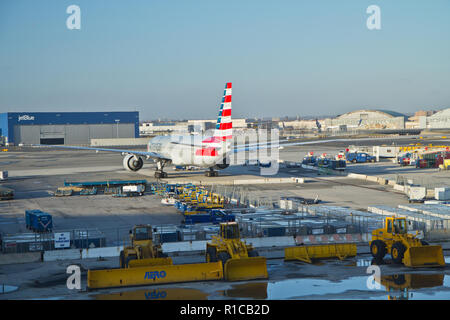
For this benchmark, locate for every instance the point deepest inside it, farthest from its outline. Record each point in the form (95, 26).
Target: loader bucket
(150, 262)
(246, 269)
(424, 256)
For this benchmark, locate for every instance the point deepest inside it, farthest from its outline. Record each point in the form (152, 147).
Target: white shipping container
(417, 193)
(442, 193)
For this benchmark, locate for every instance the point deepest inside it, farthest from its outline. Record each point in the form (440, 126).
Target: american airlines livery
(212, 152)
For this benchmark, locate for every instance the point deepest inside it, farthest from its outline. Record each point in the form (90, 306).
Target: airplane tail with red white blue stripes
(224, 126)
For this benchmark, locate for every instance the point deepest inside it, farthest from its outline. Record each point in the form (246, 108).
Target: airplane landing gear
(211, 173)
(159, 173)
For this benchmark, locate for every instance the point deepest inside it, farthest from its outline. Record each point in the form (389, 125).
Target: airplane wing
(276, 144)
(135, 152)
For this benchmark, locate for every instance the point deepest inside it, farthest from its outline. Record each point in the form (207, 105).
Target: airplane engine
(222, 165)
(132, 162)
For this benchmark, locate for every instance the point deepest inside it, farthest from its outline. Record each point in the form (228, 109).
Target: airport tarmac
(36, 174)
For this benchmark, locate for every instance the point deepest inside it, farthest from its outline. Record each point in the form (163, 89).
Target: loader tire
(378, 249)
(399, 279)
(129, 258)
(424, 243)
(211, 255)
(224, 257)
(122, 259)
(397, 252)
(162, 255)
(253, 253)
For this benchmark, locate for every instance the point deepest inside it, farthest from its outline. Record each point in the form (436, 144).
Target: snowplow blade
(424, 256)
(150, 262)
(148, 275)
(246, 269)
(323, 251)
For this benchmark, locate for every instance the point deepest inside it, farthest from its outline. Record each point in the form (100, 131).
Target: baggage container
(165, 234)
(38, 221)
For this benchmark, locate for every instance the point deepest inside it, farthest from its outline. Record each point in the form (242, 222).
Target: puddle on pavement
(397, 286)
(405, 286)
(402, 286)
(6, 288)
(252, 290)
(155, 294)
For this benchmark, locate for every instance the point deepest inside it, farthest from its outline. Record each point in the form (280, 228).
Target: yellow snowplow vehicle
(403, 247)
(240, 260)
(142, 252)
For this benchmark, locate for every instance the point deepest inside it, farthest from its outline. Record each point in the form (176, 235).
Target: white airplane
(189, 150)
(212, 152)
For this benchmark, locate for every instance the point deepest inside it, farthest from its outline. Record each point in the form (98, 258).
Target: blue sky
(171, 59)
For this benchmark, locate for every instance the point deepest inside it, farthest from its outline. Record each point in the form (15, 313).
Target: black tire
(399, 279)
(122, 259)
(378, 249)
(224, 257)
(211, 254)
(162, 255)
(424, 243)
(129, 258)
(397, 252)
(253, 253)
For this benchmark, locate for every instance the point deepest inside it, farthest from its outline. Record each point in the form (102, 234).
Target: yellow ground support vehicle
(404, 247)
(142, 252)
(240, 260)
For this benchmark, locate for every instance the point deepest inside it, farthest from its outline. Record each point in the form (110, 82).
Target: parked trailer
(105, 183)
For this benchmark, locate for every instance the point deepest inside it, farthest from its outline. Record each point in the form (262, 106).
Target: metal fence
(35, 242)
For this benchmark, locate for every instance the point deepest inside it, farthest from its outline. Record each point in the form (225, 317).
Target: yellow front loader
(142, 252)
(240, 260)
(144, 263)
(403, 247)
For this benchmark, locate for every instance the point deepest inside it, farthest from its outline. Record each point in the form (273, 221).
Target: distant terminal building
(71, 128)
(184, 127)
(439, 120)
(367, 120)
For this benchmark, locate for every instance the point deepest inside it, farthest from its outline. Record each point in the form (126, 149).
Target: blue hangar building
(70, 128)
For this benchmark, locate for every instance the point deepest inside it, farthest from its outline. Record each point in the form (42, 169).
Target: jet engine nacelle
(222, 165)
(132, 162)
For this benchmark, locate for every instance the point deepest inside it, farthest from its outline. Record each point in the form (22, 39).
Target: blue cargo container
(38, 221)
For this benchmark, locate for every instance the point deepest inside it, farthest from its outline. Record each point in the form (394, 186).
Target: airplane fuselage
(188, 150)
